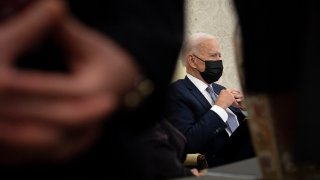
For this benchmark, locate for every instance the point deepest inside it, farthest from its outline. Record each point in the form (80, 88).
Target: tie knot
(209, 89)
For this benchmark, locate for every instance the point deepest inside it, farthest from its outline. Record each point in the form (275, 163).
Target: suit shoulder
(177, 84)
(177, 87)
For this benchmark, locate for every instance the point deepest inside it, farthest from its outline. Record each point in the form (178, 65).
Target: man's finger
(52, 84)
(239, 100)
(20, 32)
(80, 40)
(26, 133)
(238, 96)
(69, 112)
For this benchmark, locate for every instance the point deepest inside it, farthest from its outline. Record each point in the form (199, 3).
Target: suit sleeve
(197, 131)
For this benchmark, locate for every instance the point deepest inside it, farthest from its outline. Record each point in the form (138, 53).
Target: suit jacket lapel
(216, 88)
(196, 93)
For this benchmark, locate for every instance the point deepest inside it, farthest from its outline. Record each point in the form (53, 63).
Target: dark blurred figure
(84, 114)
(166, 146)
(281, 45)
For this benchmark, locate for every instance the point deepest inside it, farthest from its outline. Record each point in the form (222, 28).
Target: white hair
(191, 44)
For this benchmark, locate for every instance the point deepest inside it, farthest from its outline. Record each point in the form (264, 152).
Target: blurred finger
(84, 47)
(21, 31)
(235, 103)
(229, 90)
(27, 134)
(238, 96)
(195, 172)
(71, 111)
(235, 91)
(82, 40)
(239, 100)
(42, 83)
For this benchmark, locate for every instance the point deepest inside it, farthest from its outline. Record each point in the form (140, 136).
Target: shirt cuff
(221, 112)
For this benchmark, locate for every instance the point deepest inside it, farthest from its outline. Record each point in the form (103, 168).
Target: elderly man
(209, 115)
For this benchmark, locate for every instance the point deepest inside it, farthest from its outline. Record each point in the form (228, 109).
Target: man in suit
(209, 115)
(87, 120)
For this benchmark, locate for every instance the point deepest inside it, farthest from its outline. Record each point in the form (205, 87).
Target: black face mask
(213, 71)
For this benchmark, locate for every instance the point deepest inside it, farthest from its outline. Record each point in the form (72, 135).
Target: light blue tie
(232, 120)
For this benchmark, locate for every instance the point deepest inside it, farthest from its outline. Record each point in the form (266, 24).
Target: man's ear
(191, 61)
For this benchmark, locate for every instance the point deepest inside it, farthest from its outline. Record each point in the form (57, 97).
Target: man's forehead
(209, 45)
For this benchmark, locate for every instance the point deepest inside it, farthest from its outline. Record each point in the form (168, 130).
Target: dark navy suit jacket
(189, 111)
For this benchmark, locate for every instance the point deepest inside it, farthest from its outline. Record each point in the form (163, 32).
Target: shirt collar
(198, 83)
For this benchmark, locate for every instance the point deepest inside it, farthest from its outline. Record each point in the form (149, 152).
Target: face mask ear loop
(198, 58)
